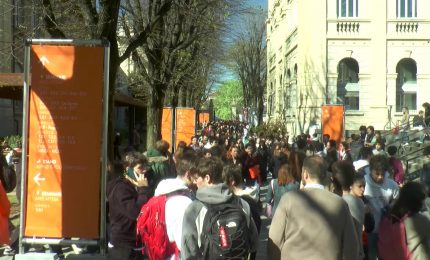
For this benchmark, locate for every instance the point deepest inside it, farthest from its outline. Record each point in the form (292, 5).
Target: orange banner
(332, 121)
(203, 117)
(185, 124)
(64, 142)
(166, 125)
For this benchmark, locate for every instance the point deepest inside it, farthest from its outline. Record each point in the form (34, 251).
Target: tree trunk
(154, 115)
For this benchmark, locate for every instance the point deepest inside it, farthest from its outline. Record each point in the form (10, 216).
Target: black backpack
(225, 232)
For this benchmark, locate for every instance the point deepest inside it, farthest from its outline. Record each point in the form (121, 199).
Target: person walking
(312, 223)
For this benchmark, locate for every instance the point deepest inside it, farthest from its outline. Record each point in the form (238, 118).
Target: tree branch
(50, 22)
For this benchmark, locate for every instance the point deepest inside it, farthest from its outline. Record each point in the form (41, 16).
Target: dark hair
(365, 152)
(411, 198)
(232, 174)
(132, 159)
(331, 157)
(212, 167)
(362, 128)
(332, 143)
(186, 162)
(379, 162)
(343, 175)
(316, 167)
(392, 150)
(357, 177)
(371, 128)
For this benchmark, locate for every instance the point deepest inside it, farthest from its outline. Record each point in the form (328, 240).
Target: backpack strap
(200, 222)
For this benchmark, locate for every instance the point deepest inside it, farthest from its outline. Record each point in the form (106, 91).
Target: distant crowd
(326, 199)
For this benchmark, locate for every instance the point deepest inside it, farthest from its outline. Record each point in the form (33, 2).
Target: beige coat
(312, 224)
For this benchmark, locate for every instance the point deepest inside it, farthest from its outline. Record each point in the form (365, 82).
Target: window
(348, 84)
(347, 8)
(406, 84)
(406, 8)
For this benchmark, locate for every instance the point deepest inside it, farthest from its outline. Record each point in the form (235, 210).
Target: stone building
(368, 55)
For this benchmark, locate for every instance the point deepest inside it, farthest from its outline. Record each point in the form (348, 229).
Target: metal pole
(26, 99)
(67, 42)
(104, 150)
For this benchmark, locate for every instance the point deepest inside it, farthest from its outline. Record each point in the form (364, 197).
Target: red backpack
(151, 230)
(392, 243)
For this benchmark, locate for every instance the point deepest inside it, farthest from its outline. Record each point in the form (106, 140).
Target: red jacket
(4, 216)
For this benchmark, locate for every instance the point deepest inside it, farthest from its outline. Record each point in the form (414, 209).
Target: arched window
(347, 8)
(406, 84)
(406, 8)
(347, 84)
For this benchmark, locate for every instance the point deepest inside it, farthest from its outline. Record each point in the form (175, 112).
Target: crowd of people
(327, 199)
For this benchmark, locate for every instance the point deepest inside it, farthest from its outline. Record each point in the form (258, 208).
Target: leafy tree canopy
(228, 99)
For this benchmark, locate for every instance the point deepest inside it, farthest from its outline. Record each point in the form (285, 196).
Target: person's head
(426, 106)
(162, 146)
(405, 110)
(365, 153)
(232, 175)
(358, 185)
(411, 198)
(249, 149)
(285, 175)
(379, 145)
(194, 140)
(314, 170)
(331, 144)
(378, 165)
(343, 175)
(210, 172)
(362, 129)
(378, 134)
(392, 150)
(186, 167)
(326, 137)
(344, 146)
(131, 159)
(234, 152)
(370, 129)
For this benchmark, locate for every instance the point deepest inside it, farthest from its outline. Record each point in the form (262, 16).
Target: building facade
(370, 56)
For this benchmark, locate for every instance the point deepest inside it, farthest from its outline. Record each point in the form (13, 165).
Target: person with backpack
(218, 225)
(404, 233)
(159, 225)
(125, 197)
(232, 176)
(312, 223)
(380, 191)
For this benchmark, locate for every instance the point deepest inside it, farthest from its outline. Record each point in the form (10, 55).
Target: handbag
(7, 176)
(269, 206)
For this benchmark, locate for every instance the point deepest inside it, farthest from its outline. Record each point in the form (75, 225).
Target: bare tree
(248, 58)
(100, 19)
(174, 59)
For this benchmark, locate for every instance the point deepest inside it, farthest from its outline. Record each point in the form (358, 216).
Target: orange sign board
(185, 124)
(203, 117)
(333, 121)
(64, 142)
(166, 125)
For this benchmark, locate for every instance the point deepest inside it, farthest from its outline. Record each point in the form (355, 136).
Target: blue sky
(262, 3)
